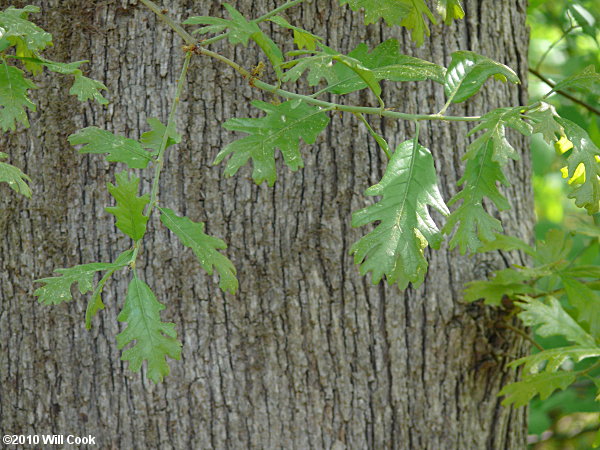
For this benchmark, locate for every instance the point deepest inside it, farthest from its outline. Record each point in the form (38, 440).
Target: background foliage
(568, 419)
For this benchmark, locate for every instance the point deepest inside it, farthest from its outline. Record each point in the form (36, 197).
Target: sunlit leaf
(394, 249)
(14, 177)
(467, 73)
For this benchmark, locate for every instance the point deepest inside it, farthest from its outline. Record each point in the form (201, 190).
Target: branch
(565, 94)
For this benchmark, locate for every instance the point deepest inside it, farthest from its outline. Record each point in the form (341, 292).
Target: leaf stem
(293, 96)
(520, 333)
(563, 93)
(554, 44)
(159, 161)
(380, 140)
(188, 38)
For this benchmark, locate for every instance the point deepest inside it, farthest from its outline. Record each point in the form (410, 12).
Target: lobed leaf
(302, 38)
(386, 63)
(585, 158)
(507, 282)
(153, 139)
(585, 300)
(468, 71)
(544, 122)
(154, 339)
(15, 178)
(58, 289)
(240, 31)
(395, 247)
(587, 79)
(507, 243)
(552, 320)
(474, 225)
(450, 10)
(282, 128)
(551, 360)
(485, 158)
(129, 211)
(542, 384)
(118, 148)
(13, 97)
(15, 24)
(204, 247)
(407, 13)
(87, 89)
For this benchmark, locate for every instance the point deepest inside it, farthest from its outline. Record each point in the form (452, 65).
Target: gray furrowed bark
(309, 354)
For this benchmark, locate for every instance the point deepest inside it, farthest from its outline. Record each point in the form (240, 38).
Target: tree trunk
(309, 354)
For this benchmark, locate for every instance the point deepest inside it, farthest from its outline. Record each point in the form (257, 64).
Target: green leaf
(302, 38)
(58, 289)
(319, 66)
(15, 24)
(84, 88)
(240, 30)
(118, 148)
(87, 89)
(281, 128)
(587, 79)
(406, 13)
(467, 73)
(506, 282)
(551, 360)
(475, 225)
(585, 19)
(544, 384)
(16, 179)
(585, 300)
(204, 247)
(13, 97)
(507, 243)
(393, 11)
(129, 211)
(395, 247)
(95, 303)
(154, 340)
(554, 248)
(153, 139)
(584, 155)
(553, 320)
(386, 63)
(450, 10)
(494, 123)
(544, 117)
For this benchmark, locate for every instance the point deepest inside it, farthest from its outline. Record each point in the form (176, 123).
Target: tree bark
(309, 354)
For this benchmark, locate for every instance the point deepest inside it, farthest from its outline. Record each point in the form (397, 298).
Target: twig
(565, 94)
